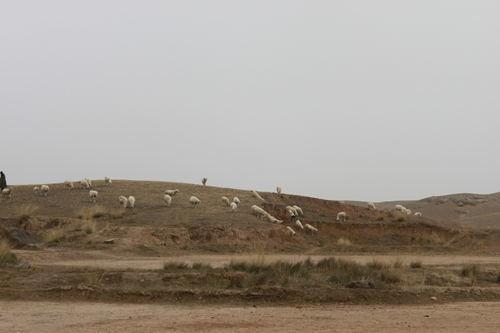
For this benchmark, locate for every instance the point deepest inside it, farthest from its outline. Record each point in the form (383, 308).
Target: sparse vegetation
(416, 264)
(175, 266)
(344, 242)
(7, 258)
(398, 264)
(24, 212)
(89, 226)
(98, 211)
(54, 235)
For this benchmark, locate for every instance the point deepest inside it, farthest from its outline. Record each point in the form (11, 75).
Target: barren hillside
(67, 219)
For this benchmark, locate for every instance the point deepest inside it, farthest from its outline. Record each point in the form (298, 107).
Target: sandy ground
(106, 261)
(41, 317)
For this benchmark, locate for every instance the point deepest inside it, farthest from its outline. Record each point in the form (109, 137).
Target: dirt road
(102, 260)
(45, 317)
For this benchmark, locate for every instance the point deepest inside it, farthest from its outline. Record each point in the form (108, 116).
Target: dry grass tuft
(24, 212)
(344, 242)
(98, 211)
(89, 226)
(7, 258)
(416, 264)
(54, 235)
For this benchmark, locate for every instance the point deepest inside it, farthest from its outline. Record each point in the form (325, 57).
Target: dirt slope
(474, 210)
(61, 220)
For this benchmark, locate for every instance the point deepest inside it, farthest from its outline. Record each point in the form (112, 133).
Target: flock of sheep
(294, 212)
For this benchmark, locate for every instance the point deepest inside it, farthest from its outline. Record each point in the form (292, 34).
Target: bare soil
(52, 317)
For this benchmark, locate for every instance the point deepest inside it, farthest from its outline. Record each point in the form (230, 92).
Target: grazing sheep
(372, 206)
(299, 224)
(93, 195)
(292, 232)
(226, 201)
(311, 228)
(342, 216)
(69, 184)
(299, 210)
(236, 200)
(418, 214)
(272, 219)
(204, 181)
(234, 206)
(123, 201)
(36, 190)
(278, 190)
(172, 193)
(259, 212)
(108, 181)
(292, 211)
(407, 211)
(45, 190)
(7, 193)
(194, 201)
(131, 201)
(168, 200)
(89, 182)
(400, 208)
(85, 184)
(257, 195)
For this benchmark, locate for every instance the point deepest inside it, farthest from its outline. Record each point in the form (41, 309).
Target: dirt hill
(67, 218)
(474, 210)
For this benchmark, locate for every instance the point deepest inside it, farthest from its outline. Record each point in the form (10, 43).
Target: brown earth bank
(53, 317)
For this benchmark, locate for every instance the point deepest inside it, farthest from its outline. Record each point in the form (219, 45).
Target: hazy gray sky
(368, 100)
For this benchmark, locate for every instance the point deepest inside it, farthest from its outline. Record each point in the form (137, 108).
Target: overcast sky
(368, 100)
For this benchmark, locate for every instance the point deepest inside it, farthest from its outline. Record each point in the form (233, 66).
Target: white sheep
(69, 184)
(172, 193)
(236, 200)
(342, 216)
(272, 219)
(278, 189)
(311, 228)
(292, 211)
(259, 212)
(299, 224)
(45, 190)
(234, 206)
(7, 193)
(407, 211)
(194, 201)
(168, 200)
(131, 201)
(372, 206)
(292, 232)
(93, 195)
(257, 195)
(400, 208)
(418, 214)
(204, 181)
(89, 181)
(123, 201)
(299, 210)
(226, 202)
(108, 181)
(85, 184)
(36, 190)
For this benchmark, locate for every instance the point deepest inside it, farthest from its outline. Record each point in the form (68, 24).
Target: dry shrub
(344, 242)
(175, 266)
(54, 235)
(7, 258)
(89, 226)
(98, 211)
(471, 272)
(24, 212)
(416, 264)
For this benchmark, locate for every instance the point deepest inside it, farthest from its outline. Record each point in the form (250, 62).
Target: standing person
(3, 181)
